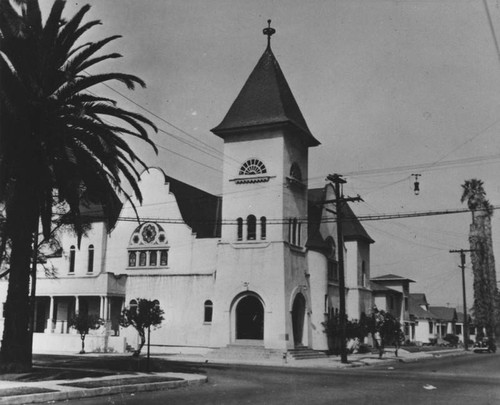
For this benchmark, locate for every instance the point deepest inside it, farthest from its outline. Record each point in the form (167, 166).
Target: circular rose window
(149, 233)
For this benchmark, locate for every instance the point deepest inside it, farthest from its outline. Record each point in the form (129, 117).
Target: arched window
(263, 228)
(72, 256)
(147, 242)
(252, 167)
(153, 258)
(90, 266)
(164, 258)
(142, 259)
(208, 311)
(133, 306)
(251, 227)
(132, 259)
(239, 223)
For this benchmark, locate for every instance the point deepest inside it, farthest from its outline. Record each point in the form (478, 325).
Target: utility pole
(338, 181)
(466, 320)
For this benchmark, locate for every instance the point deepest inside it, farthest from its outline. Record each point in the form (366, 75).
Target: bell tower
(261, 257)
(266, 141)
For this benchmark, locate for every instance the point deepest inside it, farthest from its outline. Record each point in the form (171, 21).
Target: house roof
(414, 307)
(200, 210)
(265, 99)
(444, 313)
(391, 277)
(379, 288)
(352, 229)
(419, 298)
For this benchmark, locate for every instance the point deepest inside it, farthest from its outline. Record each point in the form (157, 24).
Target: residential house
(402, 285)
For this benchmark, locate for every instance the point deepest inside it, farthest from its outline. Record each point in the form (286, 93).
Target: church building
(255, 267)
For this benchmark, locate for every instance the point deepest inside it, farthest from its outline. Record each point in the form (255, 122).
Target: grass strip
(10, 392)
(120, 381)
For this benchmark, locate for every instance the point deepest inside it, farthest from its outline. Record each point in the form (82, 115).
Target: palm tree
(482, 258)
(59, 142)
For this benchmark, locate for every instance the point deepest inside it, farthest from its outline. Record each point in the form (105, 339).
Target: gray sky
(382, 84)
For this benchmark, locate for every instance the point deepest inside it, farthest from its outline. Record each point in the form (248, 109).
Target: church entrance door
(250, 318)
(298, 315)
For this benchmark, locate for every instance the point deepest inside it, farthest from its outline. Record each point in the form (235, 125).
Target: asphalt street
(469, 379)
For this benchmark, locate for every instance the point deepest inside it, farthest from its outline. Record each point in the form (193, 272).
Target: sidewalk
(330, 362)
(107, 382)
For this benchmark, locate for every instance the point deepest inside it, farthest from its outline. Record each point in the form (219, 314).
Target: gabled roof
(419, 298)
(391, 277)
(200, 210)
(444, 313)
(351, 229)
(416, 311)
(265, 99)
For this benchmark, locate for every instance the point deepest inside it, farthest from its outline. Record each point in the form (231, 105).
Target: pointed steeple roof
(265, 99)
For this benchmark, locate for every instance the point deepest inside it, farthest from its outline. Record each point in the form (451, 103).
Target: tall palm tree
(482, 258)
(59, 142)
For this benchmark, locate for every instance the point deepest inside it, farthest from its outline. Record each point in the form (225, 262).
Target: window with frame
(133, 306)
(263, 229)
(208, 311)
(251, 227)
(148, 247)
(90, 265)
(252, 167)
(363, 274)
(239, 231)
(72, 258)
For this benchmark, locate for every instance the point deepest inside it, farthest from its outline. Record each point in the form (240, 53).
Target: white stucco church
(255, 267)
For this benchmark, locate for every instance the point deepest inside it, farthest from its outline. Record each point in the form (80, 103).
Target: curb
(97, 392)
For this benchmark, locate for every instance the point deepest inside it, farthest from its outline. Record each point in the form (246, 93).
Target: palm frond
(74, 65)
(84, 83)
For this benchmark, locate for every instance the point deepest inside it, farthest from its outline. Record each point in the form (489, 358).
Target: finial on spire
(269, 32)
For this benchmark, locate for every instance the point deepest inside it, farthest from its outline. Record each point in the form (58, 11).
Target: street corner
(39, 392)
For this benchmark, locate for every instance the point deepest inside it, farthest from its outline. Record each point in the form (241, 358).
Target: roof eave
(223, 132)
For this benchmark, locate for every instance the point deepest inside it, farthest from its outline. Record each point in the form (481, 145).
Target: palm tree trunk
(16, 350)
(22, 220)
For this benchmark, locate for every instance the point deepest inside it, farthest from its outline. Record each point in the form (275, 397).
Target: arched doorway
(250, 318)
(298, 315)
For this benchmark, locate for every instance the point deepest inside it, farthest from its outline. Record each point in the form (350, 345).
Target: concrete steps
(243, 352)
(258, 352)
(304, 353)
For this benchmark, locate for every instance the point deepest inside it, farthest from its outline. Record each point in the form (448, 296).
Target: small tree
(385, 330)
(83, 323)
(146, 314)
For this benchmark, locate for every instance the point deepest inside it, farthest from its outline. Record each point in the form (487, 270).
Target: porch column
(77, 304)
(105, 309)
(49, 328)
(101, 307)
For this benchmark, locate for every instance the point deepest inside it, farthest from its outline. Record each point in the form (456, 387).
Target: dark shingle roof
(376, 287)
(352, 229)
(265, 99)
(416, 311)
(444, 313)
(391, 277)
(200, 210)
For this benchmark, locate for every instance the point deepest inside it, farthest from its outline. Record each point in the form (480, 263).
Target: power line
(280, 221)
